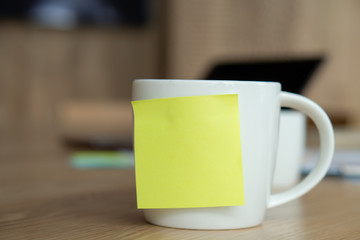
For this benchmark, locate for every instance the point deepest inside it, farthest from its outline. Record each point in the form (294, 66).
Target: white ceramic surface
(259, 108)
(291, 149)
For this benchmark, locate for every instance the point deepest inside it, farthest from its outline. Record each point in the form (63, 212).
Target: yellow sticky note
(188, 152)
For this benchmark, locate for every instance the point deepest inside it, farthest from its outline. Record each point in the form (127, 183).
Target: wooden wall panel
(204, 32)
(41, 68)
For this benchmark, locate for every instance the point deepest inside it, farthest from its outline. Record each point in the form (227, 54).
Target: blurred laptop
(293, 74)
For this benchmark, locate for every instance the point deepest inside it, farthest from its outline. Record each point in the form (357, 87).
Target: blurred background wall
(202, 33)
(43, 66)
(46, 67)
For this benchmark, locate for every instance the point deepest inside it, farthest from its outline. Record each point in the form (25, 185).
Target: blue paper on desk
(102, 159)
(346, 163)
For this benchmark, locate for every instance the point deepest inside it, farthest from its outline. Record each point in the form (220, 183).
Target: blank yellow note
(188, 152)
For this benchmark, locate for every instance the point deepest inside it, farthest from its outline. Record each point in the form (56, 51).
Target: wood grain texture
(42, 197)
(204, 33)
(42, 68)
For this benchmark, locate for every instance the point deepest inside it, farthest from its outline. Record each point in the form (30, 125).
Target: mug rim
(205, 80)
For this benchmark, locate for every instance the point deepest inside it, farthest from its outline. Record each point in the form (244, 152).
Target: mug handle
(326, 133)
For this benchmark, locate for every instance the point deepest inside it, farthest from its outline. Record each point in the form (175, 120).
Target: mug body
(291, 149)
(259, 108)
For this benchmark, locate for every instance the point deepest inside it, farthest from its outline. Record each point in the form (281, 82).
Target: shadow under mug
(259, 108)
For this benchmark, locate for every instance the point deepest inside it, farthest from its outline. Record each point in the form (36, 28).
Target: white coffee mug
(259, 108)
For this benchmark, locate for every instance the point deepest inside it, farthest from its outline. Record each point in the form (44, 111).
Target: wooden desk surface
(42, 197)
